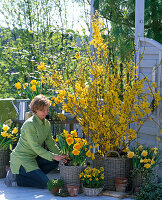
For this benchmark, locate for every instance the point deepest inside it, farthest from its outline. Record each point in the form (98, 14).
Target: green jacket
(33, 133)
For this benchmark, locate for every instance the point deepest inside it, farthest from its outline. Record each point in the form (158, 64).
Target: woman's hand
(61, 157)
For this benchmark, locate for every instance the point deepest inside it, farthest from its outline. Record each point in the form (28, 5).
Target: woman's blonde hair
(38, 103)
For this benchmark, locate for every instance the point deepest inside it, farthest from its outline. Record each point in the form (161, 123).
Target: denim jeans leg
(35, 178)
(45, 165)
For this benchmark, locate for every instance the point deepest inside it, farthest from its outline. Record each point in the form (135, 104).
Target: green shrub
(149, 191)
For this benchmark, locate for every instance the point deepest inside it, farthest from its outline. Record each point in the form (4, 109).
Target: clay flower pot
(55, 189)
(120, 184)
(73, 189)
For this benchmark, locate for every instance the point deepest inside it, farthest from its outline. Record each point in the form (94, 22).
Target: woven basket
(92, 191)
(113, 167)
(70, 174)
(4, 160)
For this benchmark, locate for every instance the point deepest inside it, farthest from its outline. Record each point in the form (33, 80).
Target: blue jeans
(36, 178)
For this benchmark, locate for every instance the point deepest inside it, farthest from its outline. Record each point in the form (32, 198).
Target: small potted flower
(77, 149)
(92, 181)
(144, 160)
(55, 185)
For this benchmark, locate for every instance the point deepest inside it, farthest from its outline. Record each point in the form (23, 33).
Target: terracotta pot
(73, 189)
(55, 189)
(120, 184)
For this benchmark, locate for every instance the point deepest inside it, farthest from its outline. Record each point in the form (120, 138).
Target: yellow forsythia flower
(130, 154)
(144, 153)
(77, 55)
(93, 156)
(88, 153)
(18, 85)
(42, 66)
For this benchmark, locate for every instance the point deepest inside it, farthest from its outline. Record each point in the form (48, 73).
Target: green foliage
(30, 39)
(121, 15)
(149, 191)
(55, 182)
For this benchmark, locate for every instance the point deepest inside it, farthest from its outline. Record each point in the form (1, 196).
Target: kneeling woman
(29, 160)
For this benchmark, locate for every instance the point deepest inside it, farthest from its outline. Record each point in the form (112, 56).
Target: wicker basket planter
(4, 160)
(92, 191)
(70, 174)
(113, 167)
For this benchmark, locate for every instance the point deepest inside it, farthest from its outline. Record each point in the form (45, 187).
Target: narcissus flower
(5, 127)
(75, 152)
(69, 140)
(144, 153)
(4, 134)
(18, 85)
(130, 154)
(147, 165)
(15, 130)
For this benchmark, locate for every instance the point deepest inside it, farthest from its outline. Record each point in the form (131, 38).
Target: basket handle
(113, 152)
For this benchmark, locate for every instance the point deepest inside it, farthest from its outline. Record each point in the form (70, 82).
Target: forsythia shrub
(108, 101)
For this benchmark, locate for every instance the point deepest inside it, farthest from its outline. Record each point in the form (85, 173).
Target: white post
(139, 20)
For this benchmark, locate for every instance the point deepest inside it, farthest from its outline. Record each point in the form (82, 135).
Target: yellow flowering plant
(92, 177)
(8, 134)
(78, 149)
(45, 83)
(108, 101)
(144, 159)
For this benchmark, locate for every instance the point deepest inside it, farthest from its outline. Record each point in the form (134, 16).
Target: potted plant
(144, 160)
(78, 149)
(92, 181)
(108, 98)
(8, 136)
(54, 185)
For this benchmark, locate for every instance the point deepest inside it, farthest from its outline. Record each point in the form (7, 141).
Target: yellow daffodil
(140, 147)
(5, 127)
(33, 88)
(70, 140)
(147, 165)
(18, 85)
(4, 134)
(15, 130)
(75, 152)
(130, 154)
(144, 153)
